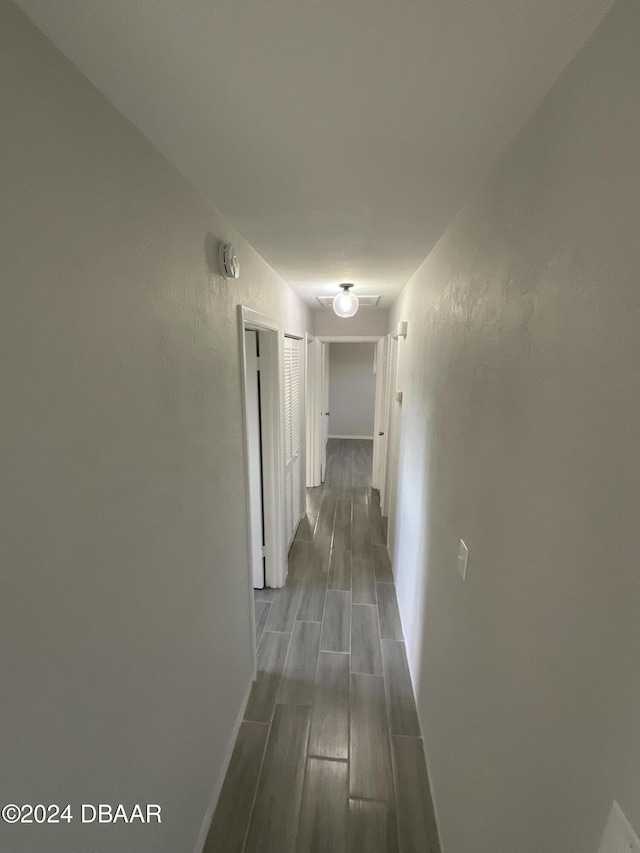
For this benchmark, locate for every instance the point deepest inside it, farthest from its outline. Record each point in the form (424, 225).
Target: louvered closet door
(293, 435)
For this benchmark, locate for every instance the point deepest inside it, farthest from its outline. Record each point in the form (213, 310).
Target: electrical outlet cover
(619, 836)
(463, 556)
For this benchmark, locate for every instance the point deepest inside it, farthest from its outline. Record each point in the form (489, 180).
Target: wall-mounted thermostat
(229, 266)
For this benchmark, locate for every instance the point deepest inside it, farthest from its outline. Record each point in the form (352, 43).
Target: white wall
(519, 432)
(352, 390)
(367, 322)
(124, 615)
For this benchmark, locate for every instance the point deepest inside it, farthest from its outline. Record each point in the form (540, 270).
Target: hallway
(329, 756)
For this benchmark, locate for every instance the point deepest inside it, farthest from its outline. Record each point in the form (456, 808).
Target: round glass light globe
(345, 304)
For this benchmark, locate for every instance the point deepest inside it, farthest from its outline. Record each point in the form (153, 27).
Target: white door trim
(390, 473)
(324, 407)
(314, 411)
(299, 499)
(254, 454)
(319, 401)
(271, 358)
(380, 420)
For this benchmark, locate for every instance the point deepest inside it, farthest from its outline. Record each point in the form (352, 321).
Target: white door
(381, 418)
(314, 413)
(293, 436)
(324, 384)
(309, 407)
(392, 437)
(255, 457)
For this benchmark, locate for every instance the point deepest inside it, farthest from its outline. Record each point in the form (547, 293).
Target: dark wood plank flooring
(330, 757)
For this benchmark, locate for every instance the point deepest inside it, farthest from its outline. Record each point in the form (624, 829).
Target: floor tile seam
(258, 780)
(371, 800)
(300, 602)
(306, 782)
(281, 678)
(305, 760)
(379, 634)
(349, 696)
(359, 672)
(350, 592)
(385, 682)
(315, 682)
(392, 733)
(324, 605)
(327, 758)
(302, 621)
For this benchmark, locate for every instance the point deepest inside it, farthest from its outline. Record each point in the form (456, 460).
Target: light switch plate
(463, 556)
(619, 836)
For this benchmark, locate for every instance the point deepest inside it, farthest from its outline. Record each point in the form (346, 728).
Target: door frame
(381, 423)
(301, 339)
(317, 399)
(254, 449)
(271, 368)
(393, 414)
(324, 407)
(310, 385)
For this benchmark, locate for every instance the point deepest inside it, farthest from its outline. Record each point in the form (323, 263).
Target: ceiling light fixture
(345, 303)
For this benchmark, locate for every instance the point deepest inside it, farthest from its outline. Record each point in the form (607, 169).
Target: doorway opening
(273, 371)
(255, 455)
(293, 435)
(349, 382)
(260, 342)
(351, 390)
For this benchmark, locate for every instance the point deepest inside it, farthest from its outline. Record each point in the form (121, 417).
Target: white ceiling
(339, 136)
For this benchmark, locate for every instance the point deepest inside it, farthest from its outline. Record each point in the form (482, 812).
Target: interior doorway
(389, 470)
(351, 390)
(261, 357)
(325, 406)
(354, 418)
(255, 456)
(293, 435)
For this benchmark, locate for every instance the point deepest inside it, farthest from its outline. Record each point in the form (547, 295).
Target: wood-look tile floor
(329, 757)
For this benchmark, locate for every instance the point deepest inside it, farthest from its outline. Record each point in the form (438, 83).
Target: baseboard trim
(208, 815)
(367, 437)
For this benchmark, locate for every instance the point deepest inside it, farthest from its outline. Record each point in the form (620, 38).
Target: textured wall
(519, 432)
(367, 322)
(124, 615)
(352, 389)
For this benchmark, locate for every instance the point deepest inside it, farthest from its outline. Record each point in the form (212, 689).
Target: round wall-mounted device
(229, 266)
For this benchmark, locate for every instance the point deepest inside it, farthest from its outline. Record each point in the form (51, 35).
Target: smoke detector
(229, 266)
